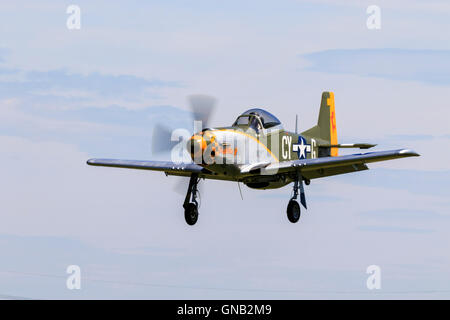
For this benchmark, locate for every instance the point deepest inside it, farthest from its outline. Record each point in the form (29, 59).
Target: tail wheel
(293, 211)
(191, 213)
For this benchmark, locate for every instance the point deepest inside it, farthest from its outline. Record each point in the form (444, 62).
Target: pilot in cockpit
(253, 121)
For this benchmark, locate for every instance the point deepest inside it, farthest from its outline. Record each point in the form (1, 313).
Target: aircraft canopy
(247, 118)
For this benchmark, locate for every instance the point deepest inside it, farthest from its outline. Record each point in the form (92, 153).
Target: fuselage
(240, 152)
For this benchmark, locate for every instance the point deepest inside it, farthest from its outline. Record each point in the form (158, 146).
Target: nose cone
(196, 146)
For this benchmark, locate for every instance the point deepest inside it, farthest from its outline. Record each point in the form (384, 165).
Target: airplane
(257, 151)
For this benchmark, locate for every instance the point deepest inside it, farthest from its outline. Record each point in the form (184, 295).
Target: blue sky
(66, 96)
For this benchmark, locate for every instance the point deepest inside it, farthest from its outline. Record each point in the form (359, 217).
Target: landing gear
(190, 204)
(293, 208)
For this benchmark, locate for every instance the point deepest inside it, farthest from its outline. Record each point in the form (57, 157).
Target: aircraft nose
(196, 146)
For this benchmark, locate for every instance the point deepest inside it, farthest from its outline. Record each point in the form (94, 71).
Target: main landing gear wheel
(293, 211)
(191, 214)
(293, 208)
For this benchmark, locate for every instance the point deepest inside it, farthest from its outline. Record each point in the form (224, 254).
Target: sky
(70, 95)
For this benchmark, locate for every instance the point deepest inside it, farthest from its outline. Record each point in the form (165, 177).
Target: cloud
(428, 66)
(100, 113)
(107, 132)
(64, 89)
(105, 85)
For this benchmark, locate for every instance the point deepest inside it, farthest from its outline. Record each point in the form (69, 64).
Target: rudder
(326, 125)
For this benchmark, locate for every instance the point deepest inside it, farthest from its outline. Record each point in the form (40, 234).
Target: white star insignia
(302, 147)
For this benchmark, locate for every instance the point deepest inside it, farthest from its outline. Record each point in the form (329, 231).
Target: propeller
(161, 139)
(202, 107)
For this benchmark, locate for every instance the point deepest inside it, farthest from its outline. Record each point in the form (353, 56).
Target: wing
(328, 166)
(172, 168)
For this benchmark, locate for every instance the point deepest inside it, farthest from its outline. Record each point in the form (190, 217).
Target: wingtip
(409, 153)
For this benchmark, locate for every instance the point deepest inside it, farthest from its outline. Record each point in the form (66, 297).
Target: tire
(191, 214)
(293, 211)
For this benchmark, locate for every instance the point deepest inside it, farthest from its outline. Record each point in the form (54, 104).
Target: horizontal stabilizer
(349, 145)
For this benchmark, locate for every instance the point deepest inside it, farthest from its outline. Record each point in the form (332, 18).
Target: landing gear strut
(190, 204)
(293, 208)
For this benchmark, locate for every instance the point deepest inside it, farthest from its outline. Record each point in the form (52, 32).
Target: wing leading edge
(327, 166)
(165, 166)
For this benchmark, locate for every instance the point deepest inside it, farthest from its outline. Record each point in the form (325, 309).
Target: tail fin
(325, 129)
